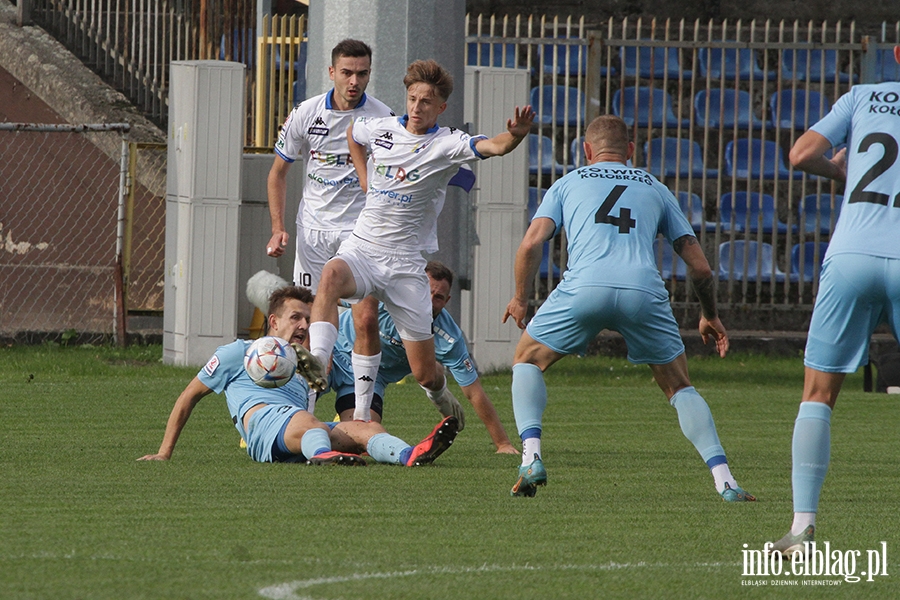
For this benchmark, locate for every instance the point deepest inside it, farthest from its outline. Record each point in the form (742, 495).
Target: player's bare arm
(359, 158)
(276, 189)
(700, 274)
(181, 412)
(808, 154)
(528, 258)
(485, 410)
(516, 129)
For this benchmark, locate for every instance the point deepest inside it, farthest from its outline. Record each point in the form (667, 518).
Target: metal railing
(714, 108)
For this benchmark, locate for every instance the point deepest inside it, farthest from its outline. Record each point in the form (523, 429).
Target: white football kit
(408, 176)
(332, 198)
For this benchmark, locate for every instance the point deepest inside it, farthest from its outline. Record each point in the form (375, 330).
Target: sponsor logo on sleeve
(210, 367)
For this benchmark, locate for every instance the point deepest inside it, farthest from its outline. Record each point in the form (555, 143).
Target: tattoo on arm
(703, 286)
(680, 243)
(706, 294)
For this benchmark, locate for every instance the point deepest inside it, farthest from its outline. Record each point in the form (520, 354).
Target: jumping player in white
(412, 161)
(612, 214)
(859, 285)
(450, 350)
(332, 196)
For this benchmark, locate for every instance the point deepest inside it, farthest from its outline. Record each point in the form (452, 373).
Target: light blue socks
(315, 441)
(811, 449)
(697, 425)
(529, 396)
(385, 448)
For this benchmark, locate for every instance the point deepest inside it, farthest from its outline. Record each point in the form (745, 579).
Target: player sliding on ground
(275, 422)
(612, 214)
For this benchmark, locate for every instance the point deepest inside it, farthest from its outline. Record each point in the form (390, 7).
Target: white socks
(365, 370)
(322, 337)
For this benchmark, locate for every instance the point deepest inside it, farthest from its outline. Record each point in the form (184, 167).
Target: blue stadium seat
(798, 109)
(886, 68)
(822, 65)
(540, 149)
(491, 55)
(722, 110)
(812, 260)
(749, 208)
(742, 159)
(662, 158)
(569, 59)
(545, 269)
(759, 268)
(569, 107)
(739, 63)
(667, 261)
(651, 62)
(692, 206)
(818, 207)
(645, 106)
(576, 152)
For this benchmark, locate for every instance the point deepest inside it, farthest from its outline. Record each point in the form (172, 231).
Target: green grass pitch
(629, 511)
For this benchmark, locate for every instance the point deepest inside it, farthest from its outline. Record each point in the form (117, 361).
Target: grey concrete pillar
(399, 32)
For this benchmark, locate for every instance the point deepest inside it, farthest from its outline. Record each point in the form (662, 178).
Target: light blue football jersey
(449, 347)
(867, 118)
(612, 214)
(225, 372)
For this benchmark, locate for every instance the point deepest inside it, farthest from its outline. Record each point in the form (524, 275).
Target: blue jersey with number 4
(867, 118)
(612, 214)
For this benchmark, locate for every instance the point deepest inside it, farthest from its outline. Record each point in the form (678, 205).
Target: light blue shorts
(265, 425)
(571, 318)
(856, 293)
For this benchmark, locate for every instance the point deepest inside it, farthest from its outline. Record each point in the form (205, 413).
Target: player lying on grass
(612, 215)
(274, 422)
(412, 161)
(450, 350)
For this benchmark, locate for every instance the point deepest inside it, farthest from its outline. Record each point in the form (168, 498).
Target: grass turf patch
(629, 510)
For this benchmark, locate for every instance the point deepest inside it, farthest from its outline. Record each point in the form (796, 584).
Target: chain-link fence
(144, 247)
(61, 224)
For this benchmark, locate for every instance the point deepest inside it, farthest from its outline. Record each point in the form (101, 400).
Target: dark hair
(351, 48)
(439, 271)
(291, 292)
(428, 71)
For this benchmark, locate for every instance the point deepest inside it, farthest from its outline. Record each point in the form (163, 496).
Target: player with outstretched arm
(412, 160)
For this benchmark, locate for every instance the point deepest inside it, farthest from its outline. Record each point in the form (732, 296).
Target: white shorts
(398, 279)
(314, 248)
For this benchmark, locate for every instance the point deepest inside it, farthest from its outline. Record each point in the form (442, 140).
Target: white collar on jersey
(405, 119)
(330, 106)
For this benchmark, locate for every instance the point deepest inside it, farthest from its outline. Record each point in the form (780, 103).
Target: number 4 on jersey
(624, 221)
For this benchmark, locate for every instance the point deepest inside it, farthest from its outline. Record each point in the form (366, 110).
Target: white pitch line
(288, 591)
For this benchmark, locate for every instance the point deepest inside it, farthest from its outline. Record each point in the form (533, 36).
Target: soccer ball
(270, 362)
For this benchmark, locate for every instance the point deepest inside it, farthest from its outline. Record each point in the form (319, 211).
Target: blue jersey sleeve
(674, 224)
(226, 364)
(835, 126)
(551, 207)
(451, 350)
